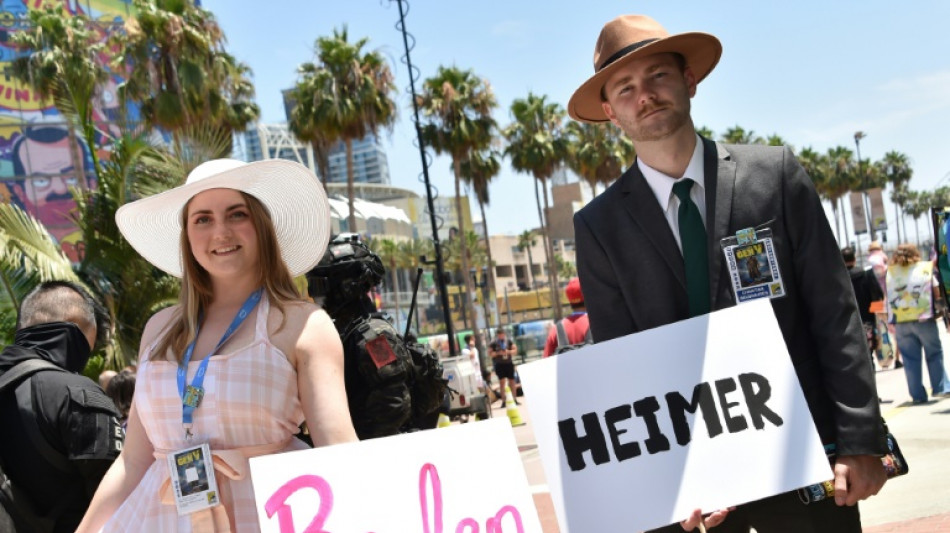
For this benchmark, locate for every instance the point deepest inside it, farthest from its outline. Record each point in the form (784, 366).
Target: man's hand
(710, 521)
(858, 477)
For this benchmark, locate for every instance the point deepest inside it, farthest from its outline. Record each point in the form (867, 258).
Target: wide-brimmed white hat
(291, 193)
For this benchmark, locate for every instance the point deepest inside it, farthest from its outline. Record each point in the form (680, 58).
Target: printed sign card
(464, 478)
(636, 432)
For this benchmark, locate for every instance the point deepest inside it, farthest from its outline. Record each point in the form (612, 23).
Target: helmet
(348, 270)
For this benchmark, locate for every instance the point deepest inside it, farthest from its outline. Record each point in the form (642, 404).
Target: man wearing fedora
(650, 252)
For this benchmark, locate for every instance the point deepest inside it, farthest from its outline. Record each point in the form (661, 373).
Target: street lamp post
(858, 135)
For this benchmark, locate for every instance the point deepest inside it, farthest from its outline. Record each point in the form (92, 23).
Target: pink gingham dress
(250, 405)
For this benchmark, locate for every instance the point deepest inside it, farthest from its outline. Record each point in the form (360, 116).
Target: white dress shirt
(662, 186)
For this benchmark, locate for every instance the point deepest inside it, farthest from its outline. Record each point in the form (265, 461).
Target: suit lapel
(641, 205)
(720, 184)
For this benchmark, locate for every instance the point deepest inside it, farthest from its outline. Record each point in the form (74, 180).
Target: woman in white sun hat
(240, 362)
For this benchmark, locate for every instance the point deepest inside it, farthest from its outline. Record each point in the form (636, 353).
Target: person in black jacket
(866, 290)
(77, 423)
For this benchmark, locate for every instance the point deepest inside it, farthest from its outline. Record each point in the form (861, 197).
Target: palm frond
(24, 241)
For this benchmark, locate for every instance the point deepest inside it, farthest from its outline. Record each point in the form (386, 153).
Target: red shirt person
(576, 325)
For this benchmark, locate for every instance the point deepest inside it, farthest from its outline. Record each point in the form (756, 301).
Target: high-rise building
(369, 162)
(273, 141)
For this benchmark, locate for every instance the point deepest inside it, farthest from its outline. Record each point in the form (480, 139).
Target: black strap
(29, 415)
(23, 370)
(562, 334)
(24, 398)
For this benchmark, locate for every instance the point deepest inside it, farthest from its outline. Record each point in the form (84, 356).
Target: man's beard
(658, 129)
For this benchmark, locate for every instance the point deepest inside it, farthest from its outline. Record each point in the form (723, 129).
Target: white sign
(466, 478)
(637, 432)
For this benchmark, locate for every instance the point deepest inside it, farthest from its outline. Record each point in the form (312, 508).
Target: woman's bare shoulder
(157, 324)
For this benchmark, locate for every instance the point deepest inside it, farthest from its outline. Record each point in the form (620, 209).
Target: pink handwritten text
(429, 481)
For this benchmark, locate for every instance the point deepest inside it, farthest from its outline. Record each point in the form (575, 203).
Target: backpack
(16, 510)
(392, 385)
(563, 345)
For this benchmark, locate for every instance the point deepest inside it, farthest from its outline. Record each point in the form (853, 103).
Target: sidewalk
(931, 524)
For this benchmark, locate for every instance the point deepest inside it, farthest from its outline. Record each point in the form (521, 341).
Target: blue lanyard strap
(191, 395)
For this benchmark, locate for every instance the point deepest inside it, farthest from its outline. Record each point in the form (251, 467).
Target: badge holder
(753, 267)
(192, 476)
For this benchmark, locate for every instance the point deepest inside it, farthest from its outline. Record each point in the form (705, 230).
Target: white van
(467, 398)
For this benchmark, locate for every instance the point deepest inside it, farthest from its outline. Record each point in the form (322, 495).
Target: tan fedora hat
(629, 37)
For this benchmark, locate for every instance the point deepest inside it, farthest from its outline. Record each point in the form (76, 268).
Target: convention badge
(193, 396)
(191, 471)
(753, 267)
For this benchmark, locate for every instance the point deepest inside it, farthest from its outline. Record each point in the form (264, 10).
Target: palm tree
(565, 268)
(738, 135)
(456, 106)
(345, 95)
(917, 204)
(413, 252)
(706, 132)
(388, 251)
(478, 171)
(896, 169)
(302, 126)
(172, 55)
(841, 180)
(526, 242)
(816, 166)
(777, 140)
(61, 62)
(598, 152)
(538, 145)
(129, 286)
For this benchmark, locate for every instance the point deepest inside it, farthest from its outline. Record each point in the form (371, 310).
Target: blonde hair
(907, 254)
(196, 290)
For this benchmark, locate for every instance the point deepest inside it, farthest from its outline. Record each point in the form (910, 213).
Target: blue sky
(812, 71)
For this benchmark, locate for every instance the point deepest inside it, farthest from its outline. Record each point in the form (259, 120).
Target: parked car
(530, 337)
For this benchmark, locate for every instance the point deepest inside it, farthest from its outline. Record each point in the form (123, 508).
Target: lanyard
(191, 395)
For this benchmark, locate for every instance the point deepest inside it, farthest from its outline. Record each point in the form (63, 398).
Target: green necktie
(693, 240)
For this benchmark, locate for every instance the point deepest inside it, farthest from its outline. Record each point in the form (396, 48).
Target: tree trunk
(395, 289)
(537, 199)
(917, 230)
(491, 264)
(351, 219)
(904, 222)
(897, 222)
(321, 163)
(534, 286)
(844, 220)
(552, 261)
(834, 211)
(489, 282)
(463, 251)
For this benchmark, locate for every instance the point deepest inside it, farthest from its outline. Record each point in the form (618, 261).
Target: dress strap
(263, 310)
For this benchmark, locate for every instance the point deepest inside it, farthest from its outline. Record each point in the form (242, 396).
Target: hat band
(624, 51)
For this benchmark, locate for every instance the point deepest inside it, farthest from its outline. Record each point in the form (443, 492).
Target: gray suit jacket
(633, 278)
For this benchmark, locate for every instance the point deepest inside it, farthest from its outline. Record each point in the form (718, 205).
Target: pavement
(918, 502)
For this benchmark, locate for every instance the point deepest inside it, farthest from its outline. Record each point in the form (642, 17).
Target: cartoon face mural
(37, 164)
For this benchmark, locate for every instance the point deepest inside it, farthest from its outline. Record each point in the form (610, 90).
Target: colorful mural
(37, 167)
